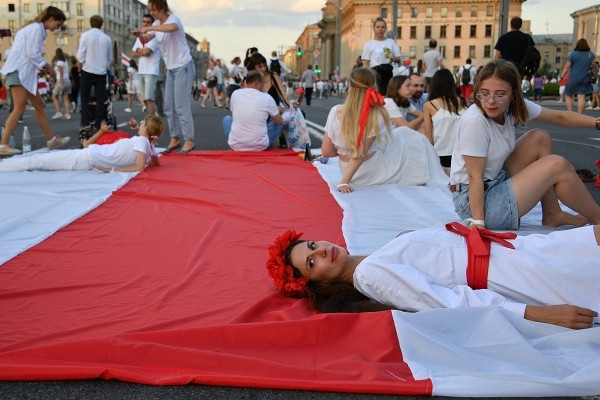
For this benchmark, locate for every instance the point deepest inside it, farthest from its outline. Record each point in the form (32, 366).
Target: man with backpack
(466, 79)
(518, 48)
(276, 65)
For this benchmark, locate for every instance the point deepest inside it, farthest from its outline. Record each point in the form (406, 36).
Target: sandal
(586, 175)
(170, 149)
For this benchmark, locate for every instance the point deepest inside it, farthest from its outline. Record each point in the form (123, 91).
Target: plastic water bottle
(26, 140)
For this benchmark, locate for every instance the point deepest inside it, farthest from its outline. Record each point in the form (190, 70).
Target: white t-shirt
(395, 111)
(65, 70)
(148, 65)
(250, 110)
(173, 45)
(121, 153)
(426, 269)
(374, 51)
(479, 136)
(472, 72)
(333, 128)
(430, 59)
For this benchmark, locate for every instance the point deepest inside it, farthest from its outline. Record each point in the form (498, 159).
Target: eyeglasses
(498, 98)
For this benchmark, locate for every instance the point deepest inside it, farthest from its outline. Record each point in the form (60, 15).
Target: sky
(231, 26)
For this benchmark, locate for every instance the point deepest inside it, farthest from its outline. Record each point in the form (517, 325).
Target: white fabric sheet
(34, 205)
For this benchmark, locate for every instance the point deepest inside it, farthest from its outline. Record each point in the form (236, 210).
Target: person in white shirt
(125, 155)
(276, 65)
(379, 53)
(398, 105)
(62, 87)
(168, 30)
(148, 55)
(496, 179)
(20, 70)
(432, 61)
(247, 128)
(549, 278)
(94, 56)
(466, 86)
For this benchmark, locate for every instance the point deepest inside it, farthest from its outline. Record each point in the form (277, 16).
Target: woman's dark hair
(133, 64)
(442, 87)
(393, 88)
(256, 59)
(59, 55)
(51, 12)
(334, 297)
(582, 45)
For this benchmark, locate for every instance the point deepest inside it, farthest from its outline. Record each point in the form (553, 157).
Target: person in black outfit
(513, 44)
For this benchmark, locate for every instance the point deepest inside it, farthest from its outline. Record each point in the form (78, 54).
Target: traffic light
(300, 52)
(317, 69)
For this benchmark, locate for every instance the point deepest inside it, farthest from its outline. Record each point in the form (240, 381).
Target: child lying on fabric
(553, 278)
(125, 155)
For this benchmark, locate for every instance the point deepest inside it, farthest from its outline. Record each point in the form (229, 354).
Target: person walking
(577, 66)
(308, 82)
(20, 70)
(62, 86)
(432, 61)
(94, 56)
(513, 45)
(466, 79)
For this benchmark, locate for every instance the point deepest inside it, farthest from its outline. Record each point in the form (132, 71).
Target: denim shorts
(12, 79)
(501, 211)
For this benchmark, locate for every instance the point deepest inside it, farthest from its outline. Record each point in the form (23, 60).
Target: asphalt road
(581, 147)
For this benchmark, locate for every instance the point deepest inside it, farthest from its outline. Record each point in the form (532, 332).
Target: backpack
(466, 76)
(530, 62)
(276, 67)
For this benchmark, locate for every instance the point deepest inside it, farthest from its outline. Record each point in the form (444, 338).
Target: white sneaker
(57, 115)
(6, 150)
(67, 116)
(58, 142)
(144, 109)
(128, 109)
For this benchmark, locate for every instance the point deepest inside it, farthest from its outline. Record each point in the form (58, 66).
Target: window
(458, 12)
(399, 32)
(489, 11)
(488, 31)
(12, 25)
(80, 25)
(399, 12)
(444, 12)
(473, 31)
(558, 49)
(413, 32)
(557, 60)
(457, 31)
(383, 12)
(80, 9)
(40, 8)
(456, 51)
(63, 5)
(442, 50)
(412, 52)
(471, 51)
(429, 12)
(427, 31)
(487, 51)
(546, 56)
(473, 11)
(26, 7)
(442, 31)
(11, 7)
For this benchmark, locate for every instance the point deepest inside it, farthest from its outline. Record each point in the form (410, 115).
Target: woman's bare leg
(569, 102)
(19, 95)
(580, 103)
(40, 115)
(539, 175)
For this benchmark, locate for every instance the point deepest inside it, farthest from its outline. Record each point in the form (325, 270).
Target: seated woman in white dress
(124, 155)
(369, 152)
(551, 278)
(397, 105)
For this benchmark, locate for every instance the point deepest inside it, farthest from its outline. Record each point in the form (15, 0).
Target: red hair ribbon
(372, 98)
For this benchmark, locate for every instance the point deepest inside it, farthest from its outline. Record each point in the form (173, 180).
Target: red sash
(479, 241)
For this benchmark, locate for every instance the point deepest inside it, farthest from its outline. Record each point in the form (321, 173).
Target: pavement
(580, 146)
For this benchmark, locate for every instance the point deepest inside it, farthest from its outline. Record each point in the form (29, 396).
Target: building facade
(586, 25)
(120, 16)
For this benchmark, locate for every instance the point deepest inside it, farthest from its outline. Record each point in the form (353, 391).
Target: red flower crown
(282, 272)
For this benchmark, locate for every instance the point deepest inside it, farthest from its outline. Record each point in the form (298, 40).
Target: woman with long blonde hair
(370, 152)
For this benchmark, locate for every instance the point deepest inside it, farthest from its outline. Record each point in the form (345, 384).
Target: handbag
(592, 72)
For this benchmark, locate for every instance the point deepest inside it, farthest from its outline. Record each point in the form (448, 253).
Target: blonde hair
(154, 125)
(505, 71)
(361, 79)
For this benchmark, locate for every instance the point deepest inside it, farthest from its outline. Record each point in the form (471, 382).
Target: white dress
(402, 157)
(426, 269)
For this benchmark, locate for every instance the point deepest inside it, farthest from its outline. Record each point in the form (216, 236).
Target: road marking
(579, 143)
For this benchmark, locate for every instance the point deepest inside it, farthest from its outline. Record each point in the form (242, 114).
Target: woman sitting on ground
(399, 90)
(441, 114)
(271, 82)
(124, 155)
(495, 179)
(370, 153)
(549, 278)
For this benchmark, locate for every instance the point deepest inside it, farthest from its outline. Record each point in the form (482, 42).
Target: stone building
(586, 25)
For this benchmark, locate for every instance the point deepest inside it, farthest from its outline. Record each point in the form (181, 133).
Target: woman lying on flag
(552, 278)
(124, 155)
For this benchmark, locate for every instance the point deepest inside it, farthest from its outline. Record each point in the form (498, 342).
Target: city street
(581, 147)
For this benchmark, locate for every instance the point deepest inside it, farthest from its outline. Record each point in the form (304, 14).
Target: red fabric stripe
(165, 283)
